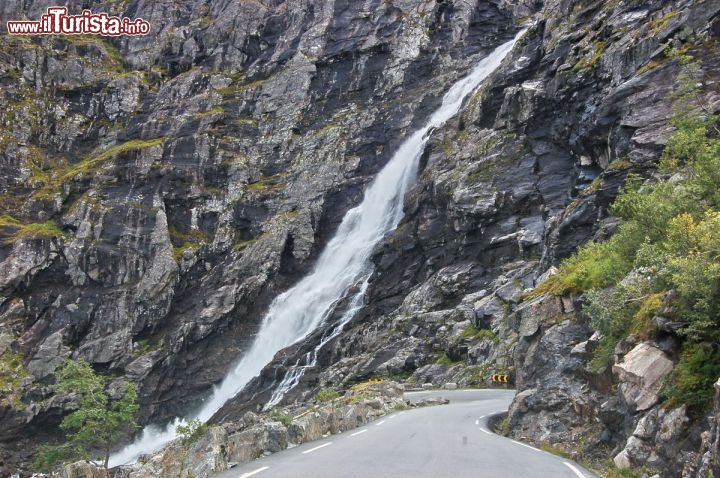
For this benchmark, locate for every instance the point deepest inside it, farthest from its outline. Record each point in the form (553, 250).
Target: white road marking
(392, 416)
(486, 432)
(248, 475)
(527, 446)
(379, 423)
(477, 422)
(317, 448)
(574, 469)
(359, 433)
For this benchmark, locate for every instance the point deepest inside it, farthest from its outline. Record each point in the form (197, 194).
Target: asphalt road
(434, 442)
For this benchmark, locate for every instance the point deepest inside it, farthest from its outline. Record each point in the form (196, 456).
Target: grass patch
(91, 164)
(649, 67)
(242, 245)
(216, 110)
(233, 89)
(619, 165)
(590, 61)
(615, 472)
(12, 373)
(327, 395)
(178, 252)
(142, 348)
(278, 415)
(14, 230)
(472, 332)
(193, 236)
(444, 359)
(658, 25)
(267, 184)
(245, 121)
(555, 450)
(502, 427)
(592, 188)
(596, 265)
(359, 397)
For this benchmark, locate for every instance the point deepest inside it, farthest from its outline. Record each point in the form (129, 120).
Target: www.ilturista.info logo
(57, 22)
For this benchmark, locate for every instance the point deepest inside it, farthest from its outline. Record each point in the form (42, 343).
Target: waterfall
(344, 263)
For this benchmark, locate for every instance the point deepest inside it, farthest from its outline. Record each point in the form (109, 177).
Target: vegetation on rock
(12, 372)
(104, 414)
(327, 395)
(664, 260)
(192, 431)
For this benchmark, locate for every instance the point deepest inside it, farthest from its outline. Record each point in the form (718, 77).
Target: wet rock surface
(159, 191)
(522, 178)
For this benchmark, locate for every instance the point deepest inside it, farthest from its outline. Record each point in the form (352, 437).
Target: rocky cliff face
(514, 185)
(158, 192)
(517, 183)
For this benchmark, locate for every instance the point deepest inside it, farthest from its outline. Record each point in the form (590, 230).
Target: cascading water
(296, 372)
(344, 263)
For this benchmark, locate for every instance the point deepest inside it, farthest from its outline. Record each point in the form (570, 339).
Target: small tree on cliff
(103, 415)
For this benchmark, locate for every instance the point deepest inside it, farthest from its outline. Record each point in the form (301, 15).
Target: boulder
(83, 469)
(543, 310)
(641, 374)
(51, 353)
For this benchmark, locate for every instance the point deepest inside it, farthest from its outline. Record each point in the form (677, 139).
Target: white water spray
(344, 263)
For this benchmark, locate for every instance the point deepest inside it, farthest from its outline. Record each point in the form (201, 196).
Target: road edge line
(252, 473)
(317, 448)
(574, 469)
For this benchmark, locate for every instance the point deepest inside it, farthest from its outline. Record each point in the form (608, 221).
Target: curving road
(440, 441)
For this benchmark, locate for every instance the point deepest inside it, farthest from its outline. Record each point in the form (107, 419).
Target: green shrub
(48, 457)
(277, 415)
(192, 431)
(597, 265)
(693, 378)
(327, 395)
(472, 332)
(12, 373)
(443, 359)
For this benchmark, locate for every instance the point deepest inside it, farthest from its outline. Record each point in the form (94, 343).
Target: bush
(327, 395)
(693, 378)
(277, 415)
(12, 373)
(597, 265)
(444, 359)
(192, 431)
(49, 456)
(472, 332)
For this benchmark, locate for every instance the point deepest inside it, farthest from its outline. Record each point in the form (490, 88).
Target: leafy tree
(104, 413)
